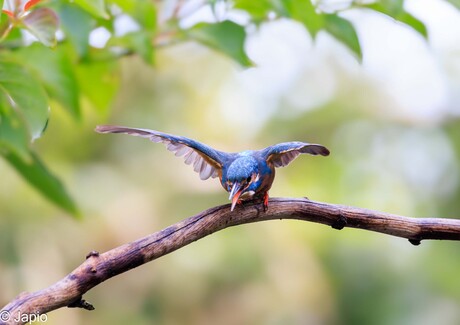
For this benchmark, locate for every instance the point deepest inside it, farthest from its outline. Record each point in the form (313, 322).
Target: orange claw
(266, 200)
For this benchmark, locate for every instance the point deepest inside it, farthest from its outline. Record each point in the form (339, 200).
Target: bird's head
(241, 178)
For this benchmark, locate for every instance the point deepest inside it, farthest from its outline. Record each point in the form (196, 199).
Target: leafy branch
(35, 78)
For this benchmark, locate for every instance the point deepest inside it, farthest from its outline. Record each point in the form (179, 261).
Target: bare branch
(100, 267)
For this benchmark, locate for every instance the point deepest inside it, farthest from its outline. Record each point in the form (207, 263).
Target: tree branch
(100, 267)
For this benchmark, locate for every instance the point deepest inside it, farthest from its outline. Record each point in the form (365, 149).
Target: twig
(100, 267)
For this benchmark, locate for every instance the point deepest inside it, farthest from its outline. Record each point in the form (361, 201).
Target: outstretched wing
(206, 161)
(282, 154)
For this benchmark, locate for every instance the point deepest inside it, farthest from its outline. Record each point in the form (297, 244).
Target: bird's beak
(235, 194)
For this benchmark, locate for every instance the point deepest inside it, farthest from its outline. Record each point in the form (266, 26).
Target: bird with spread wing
(245, 175)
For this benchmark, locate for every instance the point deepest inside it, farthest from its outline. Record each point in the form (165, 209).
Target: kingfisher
(245, 175)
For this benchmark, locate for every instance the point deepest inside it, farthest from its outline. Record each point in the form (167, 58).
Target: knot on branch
(415, 242)
(92, 254)
(81, 303)
(340, 222)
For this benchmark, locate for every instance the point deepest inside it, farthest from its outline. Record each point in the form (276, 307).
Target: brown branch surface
(100, 267)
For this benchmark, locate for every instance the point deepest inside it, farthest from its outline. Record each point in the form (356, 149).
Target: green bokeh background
(277, 272)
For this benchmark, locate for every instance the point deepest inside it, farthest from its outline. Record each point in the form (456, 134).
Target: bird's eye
(248, 179)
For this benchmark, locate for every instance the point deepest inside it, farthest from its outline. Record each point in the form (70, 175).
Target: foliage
(61, 68)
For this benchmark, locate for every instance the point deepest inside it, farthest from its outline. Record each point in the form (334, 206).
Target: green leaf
(43, 24)
(258, 10)
(36, 173)
(4, 23)
(98, 82)
(143, 11)
(146, 14)
(305, 12)
(391, 8)
(344, 31)
(138, 42)
(226, 37)
(27, 93)
(13, 132)
(1, 6)
(77, 25)
(94, 7)
(55, 69)
(455, 3)
(9, 37)
(395, 9)
(413, 22)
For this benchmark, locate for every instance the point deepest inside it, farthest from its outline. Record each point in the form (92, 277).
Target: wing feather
(197, 165)
(205, 172)
(282, 154)
(182, 151)
(206, 161)
(191, 157)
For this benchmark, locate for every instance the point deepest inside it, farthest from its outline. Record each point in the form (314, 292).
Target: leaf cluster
(48, 61)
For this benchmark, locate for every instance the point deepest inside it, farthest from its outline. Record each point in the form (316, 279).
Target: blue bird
(245, 175)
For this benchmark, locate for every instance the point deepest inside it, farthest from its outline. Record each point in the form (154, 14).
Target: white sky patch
(404, 66)
(420, 80)
(60, 35)
(193, 12)
(241, 108)
(315, 87)
(99, 37)
(124, 24)
(196, 14)
(330, 6)
(443, 24)
(424, 158)
(27, 37)
(442, 20)
(278, 49)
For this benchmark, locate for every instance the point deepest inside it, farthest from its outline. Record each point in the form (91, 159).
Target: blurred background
(391, 123)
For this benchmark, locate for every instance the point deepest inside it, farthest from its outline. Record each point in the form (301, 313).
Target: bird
(246, 175)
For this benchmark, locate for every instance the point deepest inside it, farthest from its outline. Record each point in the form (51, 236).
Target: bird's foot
(265, 205)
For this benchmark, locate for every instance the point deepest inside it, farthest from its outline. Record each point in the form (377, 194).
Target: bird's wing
(206, 161)
(282, 154)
